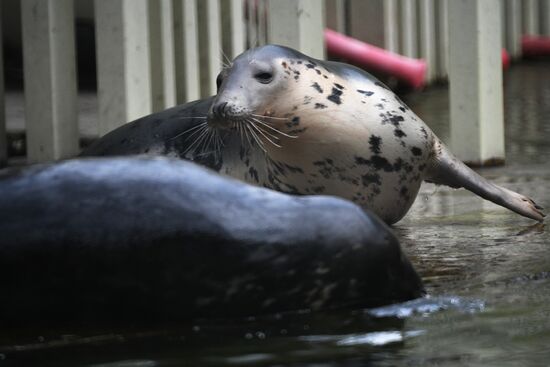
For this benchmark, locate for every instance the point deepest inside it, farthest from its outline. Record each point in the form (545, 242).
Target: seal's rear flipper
(448, 170)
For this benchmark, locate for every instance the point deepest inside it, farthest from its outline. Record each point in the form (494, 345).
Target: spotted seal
(295, 124)
(307, 126)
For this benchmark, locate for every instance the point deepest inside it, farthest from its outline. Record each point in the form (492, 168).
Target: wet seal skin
(288, 122)
(135, 240)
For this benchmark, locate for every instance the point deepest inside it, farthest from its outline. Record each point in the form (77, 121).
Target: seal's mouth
(253, 129)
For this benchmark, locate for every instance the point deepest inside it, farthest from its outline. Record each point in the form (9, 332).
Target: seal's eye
(264, 77)
(219, 81)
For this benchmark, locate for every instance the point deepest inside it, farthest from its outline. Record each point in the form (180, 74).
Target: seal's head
(249, 86)
(260, 93)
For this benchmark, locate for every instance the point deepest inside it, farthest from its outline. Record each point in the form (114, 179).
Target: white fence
(153, 54)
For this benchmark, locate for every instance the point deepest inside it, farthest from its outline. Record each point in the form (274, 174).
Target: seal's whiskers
(263, 123)
(255, 136)
(202, 124)
(264, 133)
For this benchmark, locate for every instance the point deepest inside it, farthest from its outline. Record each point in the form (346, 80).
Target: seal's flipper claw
(448, 170)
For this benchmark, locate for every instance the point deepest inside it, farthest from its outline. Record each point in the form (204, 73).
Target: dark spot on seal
(297, 131)
(380, 106)
(324, 76)
(307, 100)
(339, 86)
(310, 66)
(396, 119)
(399, 133)
(404, 192)
(317, 87)
(284, 64)
(371, 178)
(416, 151)
(377, 162)
(381, 163)
(365, 92)
(361, 161)
(424, 132)
(403, 109)
(335, 96)
(253, 173)
(299, 62)
(318, 71)
(421, 167)
(294, 122)
(375, 142)
(320, 106)
(293, 169)
(398, 164)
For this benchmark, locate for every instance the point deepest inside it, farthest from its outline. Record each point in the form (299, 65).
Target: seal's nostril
(219, 110)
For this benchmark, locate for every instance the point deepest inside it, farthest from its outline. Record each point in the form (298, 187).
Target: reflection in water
(487, 270)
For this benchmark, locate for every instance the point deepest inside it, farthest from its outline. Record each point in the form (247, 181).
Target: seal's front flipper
(448, 170)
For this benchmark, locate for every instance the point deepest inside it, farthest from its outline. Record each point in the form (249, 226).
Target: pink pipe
(505, 59)
(535, 45)
(411, 71)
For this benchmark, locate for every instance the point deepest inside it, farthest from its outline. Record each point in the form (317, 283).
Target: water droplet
(248, 336)
(196, 328)
(260, 335)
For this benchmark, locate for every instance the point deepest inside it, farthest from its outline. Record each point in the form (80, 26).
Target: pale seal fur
(304, 126)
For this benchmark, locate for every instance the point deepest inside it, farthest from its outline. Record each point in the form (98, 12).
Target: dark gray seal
(139, 240)
(298, 125)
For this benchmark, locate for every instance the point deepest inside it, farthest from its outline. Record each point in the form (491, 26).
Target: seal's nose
(219, 109)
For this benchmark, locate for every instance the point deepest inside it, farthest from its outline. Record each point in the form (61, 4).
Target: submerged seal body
(306, 126)
(145, 239)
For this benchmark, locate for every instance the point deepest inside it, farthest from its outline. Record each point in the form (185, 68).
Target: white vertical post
(161, 40)
(442, 36)
(530, 17)
(427, 36)
(168, 54)
(234, 28)
(123, 63)
(298, 24)
(262, 26)
(545, 17)
(210, 39)
(50, 79)
(391, 29)
(156, 55)
(409, 28)
(513, 28)
(477, 133)
(3, 138)
(252, 24)
(186, 50)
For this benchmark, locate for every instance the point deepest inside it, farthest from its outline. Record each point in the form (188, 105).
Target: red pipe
(411, 71)
(535, 46)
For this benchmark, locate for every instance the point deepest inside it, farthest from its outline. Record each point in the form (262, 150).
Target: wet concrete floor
(487, 271)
